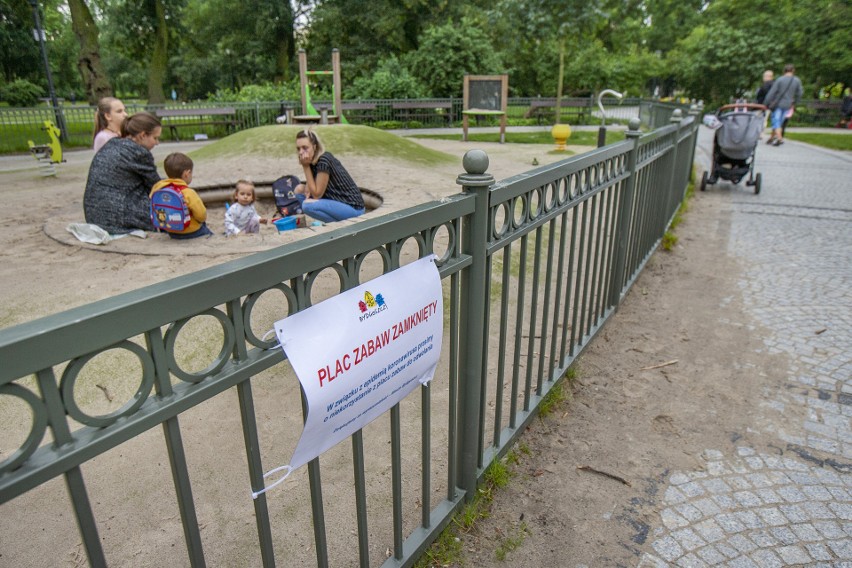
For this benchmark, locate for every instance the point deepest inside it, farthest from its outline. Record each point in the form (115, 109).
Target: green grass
(280, 142)
(827, 140)
(669, 241)
(578, 138)
(15, 136)
(511, 542)
(551, 401)
(447, 548)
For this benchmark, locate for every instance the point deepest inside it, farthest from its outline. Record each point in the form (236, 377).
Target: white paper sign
(361, 352)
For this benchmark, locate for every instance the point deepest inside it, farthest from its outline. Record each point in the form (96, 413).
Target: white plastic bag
(92, 234)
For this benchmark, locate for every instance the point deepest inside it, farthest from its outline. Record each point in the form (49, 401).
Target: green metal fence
(17, 125)
(531, 266)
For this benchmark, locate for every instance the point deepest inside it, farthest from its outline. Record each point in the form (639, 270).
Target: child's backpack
(284, 192)
(169, 211)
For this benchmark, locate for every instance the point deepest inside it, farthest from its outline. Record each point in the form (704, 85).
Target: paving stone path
(753, 509)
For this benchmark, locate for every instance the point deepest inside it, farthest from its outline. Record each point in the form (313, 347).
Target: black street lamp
(60, 122)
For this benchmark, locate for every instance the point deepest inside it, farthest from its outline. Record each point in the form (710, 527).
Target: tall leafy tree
(141, 31)
(234, 44)
(19, 54)
(568, 22)
(449, 52)
(821, 42)
(366, 31)
(95, 81)
(716, 62)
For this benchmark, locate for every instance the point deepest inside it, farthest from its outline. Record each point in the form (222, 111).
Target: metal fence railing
(17, 125)
(531, 267)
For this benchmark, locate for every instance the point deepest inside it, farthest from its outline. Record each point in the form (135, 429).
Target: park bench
(422, 111)
(824, 111)
(541, 109)
(224, 116)
(361, 112)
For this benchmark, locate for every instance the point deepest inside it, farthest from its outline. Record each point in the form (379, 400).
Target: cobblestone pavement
(792, 507)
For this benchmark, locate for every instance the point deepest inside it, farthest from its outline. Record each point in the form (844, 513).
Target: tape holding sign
(360, 353)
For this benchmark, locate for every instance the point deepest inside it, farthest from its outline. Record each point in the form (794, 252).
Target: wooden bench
(363, 112)
(422, 110)
(224, 116)
(827, 111)
(546, 109)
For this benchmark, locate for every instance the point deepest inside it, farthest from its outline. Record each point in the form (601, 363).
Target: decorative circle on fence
(562, 191)
(72, 373)
(501, 220)
(311, 278)
(573, 186)
(436, 234)
(536, 201)
(362, 262)
(401, 245)
(551, 195)
(228, 342)
(37, 430)
(520, 209)
(248, 306)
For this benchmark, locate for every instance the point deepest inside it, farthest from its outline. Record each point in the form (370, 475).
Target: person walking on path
(783, 96)
(768, 81)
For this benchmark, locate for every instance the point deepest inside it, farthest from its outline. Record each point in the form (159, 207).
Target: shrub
(21, 93)
(391, 80)
(388, 124)
(264, 92)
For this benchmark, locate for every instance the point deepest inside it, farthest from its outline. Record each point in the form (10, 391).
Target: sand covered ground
(44, 269)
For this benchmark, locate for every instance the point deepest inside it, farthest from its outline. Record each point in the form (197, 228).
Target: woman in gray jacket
(121, 176)
(785, 93)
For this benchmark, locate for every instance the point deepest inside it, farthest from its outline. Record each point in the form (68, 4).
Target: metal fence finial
(475, 163)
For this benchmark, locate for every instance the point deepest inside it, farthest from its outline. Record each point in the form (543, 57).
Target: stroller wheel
(704, 182)
(757, 180)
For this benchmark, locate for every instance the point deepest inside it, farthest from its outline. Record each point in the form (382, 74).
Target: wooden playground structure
(310, 113)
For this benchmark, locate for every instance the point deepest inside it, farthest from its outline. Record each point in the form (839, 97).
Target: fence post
(625, 213)
(472, 317)
(695, 113)
(676, 118)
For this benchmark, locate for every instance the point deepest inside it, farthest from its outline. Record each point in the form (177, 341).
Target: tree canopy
(704, 49)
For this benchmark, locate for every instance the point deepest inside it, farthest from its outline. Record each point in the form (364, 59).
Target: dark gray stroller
(737, 134)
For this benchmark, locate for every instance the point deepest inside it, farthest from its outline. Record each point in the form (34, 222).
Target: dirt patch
(44, 269)
(630, 415)
(676, 371)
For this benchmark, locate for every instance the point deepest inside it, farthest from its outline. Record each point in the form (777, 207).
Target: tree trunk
(286, 46)
(89, 61)
(559, 81)
(159, 58)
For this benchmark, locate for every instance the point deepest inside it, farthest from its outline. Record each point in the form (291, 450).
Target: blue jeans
(202, 231)
(328, 210)
(778, 118)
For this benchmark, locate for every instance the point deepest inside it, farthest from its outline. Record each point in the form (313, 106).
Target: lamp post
(60, 122)
(602, 129)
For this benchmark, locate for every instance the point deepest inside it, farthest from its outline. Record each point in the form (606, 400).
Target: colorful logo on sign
(370, 305)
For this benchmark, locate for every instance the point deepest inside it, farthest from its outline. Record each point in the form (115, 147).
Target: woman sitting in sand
(108, 118)
(121, 176)
(329, 193)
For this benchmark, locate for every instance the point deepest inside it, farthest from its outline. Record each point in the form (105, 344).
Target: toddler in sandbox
(241, 216)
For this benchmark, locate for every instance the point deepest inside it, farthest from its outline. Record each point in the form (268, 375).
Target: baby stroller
(738, 128)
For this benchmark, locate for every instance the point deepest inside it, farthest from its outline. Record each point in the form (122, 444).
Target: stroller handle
(751, 106)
